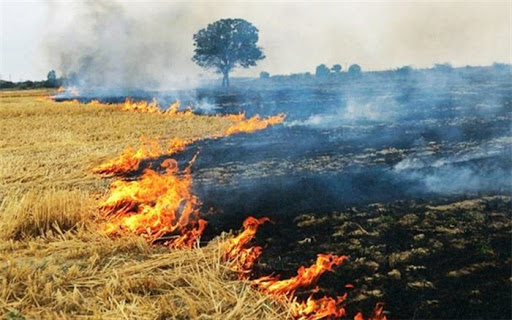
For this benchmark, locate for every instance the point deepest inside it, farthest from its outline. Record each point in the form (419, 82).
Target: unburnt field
(55, 263)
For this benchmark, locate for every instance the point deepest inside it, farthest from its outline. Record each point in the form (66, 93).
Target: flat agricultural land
(55, 263)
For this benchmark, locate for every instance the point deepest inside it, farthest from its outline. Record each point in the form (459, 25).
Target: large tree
(225, 45)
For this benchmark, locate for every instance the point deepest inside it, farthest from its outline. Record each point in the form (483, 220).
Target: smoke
(381, 109)
(373, 137)
(470, 167)
(149, 46)
(379, 137)
(108, 47)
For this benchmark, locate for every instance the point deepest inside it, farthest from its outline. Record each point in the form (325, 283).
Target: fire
(141, 106)
(73, 91)
(160, 207)
(378, 313)
(130, 159)
(155, 206)
(234, 117)
(305, 276)
(252, 124)
(315, 309)
(244, 257)
(173, 111)
(152, 107)
(240, 123)
(235, 249)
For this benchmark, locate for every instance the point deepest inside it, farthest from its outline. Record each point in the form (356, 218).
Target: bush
(354, 69)
(322, 71)
(264, 75)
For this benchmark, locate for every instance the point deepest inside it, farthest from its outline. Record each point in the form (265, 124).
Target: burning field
(354, 202)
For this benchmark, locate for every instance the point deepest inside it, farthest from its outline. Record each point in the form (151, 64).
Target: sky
(138, 38)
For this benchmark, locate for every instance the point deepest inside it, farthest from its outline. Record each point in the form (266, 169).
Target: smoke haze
(135, 44)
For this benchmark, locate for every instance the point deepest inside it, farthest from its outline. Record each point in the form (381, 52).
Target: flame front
(315, 309)
(160, 206)
(141, 106)
(153, 107)
(154, 206)
(236, 250)
(130, 159)
(253, 124)
(305, 276)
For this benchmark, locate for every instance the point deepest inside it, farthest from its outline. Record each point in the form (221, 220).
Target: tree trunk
(225, 80)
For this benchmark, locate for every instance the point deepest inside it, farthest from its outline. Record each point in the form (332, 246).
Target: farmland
(408, 175)
(56, 262)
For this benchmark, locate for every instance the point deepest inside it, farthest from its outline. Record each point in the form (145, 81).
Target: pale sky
(37, 36)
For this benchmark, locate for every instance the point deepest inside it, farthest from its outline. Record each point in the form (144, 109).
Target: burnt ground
(411, 176)
(435, 260)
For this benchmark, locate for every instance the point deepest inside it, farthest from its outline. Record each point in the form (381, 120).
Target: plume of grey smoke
(107, 48)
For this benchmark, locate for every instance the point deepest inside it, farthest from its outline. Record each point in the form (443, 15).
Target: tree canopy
(226, 44)
(322, 71)
(354, 69)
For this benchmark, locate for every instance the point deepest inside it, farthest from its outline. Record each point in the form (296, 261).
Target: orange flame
(162, 207)
(70, 90)
(154, 206)
(234, 117)
(152, 107)
(378, 313)
(235, 249)
(130, 159)
(305, 276)
(173, 111)
(141, 106)
(242, 125)
(315, 309)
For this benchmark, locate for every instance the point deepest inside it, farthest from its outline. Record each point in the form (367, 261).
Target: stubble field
(56, 263)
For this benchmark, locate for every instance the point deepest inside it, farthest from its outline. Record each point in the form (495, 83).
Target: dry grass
(38, 213)
(88, 275)
(44, 143)
(54, 261)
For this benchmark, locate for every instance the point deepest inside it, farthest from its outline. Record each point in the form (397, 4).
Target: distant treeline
(334, 76)
(335, 72)
(322, 74)
(51, 82)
